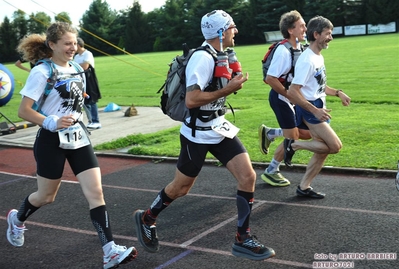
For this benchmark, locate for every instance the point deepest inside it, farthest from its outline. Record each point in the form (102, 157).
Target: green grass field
(365, 67)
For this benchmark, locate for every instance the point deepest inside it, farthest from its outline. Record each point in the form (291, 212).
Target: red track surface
(22, 161)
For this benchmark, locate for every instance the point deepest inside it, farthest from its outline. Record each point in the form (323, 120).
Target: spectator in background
(20, 66)
(86, 60)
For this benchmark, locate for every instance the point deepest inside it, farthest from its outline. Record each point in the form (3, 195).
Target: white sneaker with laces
(15, 234)
(119, 255)
(94, 125)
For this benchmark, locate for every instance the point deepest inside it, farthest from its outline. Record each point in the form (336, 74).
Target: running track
(358, 217)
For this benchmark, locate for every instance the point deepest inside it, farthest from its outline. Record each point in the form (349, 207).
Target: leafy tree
(8, 42)
(299, 5)
(353, 11)
(178, 21)
(269, 17)
(63, 16)
(38, 23)
(137, 31)
(20, 24)
(95, 25)
(117, 31)
(332, 10)
(381, 11)
(196, 12)
(155, 24)
(173, 24)
(249, 32)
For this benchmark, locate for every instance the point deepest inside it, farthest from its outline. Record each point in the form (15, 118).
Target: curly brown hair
(35, 46)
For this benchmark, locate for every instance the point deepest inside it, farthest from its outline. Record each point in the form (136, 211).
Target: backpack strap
(51, 80)
(292, 52)
(78, 68)
(195, 112)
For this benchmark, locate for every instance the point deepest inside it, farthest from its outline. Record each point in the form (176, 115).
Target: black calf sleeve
(244, 207)
(99, 218)
(26, 209)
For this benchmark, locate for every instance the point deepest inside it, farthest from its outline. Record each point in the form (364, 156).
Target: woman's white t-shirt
(64, 99)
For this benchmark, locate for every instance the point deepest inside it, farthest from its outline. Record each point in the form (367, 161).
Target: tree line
(108, 31)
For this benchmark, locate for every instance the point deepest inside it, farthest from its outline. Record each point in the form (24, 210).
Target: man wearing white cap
(213, 134)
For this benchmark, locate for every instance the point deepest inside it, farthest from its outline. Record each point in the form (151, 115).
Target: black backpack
(173, 95)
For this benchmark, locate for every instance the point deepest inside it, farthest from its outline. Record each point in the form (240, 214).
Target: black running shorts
(192, 155)
(50, 158)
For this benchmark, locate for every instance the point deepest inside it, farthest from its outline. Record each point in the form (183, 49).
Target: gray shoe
(15, 234)
(251, 248)
(146, 234)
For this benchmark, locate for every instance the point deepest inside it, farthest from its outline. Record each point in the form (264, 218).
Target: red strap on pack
(236, 67)
(222, 72)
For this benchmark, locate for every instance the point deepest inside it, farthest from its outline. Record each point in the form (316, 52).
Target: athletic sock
(274, 132)
(25, 210)
(244, 207)
(161, 202)
(273, 167)
(99, 218)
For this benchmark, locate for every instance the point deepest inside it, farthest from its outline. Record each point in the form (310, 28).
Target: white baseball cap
(214, 21)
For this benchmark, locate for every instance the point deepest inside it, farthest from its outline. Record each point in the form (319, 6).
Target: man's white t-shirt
(85, 57)
(280, 65)
(199, 71)
(310, 73)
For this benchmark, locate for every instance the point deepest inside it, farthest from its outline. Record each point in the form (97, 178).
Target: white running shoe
(15, 234)
(119, 255)
(94, 125)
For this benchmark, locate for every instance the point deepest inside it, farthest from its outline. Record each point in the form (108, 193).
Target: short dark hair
(80, 42)
(317, 24)
(287, 21)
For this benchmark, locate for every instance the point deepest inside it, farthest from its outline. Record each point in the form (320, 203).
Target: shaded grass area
(365, 67)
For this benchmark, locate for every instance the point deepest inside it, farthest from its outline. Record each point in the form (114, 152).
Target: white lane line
(131, 238)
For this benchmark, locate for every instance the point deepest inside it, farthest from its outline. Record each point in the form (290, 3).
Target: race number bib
(73, 137)
(226, 129)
